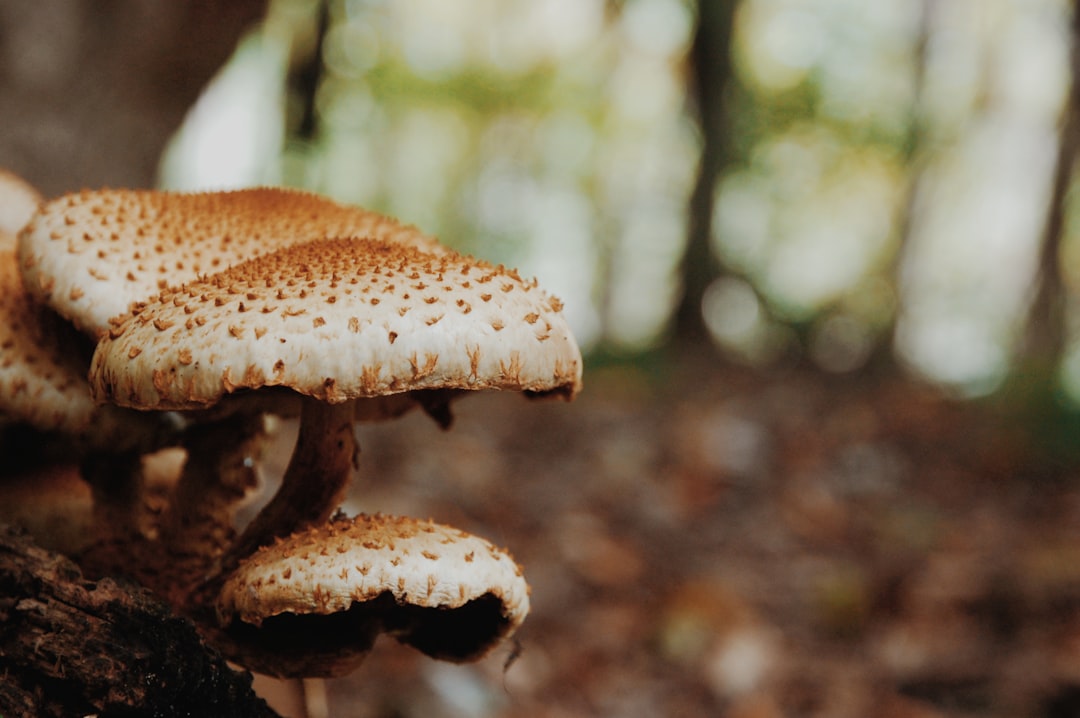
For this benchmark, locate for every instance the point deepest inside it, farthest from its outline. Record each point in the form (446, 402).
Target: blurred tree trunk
(1043, 343)
(1031, 398)
(915, 153)
(306, 76)
(93, 89)
(710, 68)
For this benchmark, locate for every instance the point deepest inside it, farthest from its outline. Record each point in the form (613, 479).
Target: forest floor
(709, 541)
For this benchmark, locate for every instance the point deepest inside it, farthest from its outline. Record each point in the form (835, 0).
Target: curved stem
(314, 482)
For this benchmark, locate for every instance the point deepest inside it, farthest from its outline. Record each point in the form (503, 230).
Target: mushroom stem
(116, 490)
(314, 481)
(218, 473)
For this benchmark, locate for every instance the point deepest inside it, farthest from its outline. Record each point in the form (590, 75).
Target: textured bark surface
(69, 646)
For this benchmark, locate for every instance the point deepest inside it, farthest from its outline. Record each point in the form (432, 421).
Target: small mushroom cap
(324, 593)
(338, 320)
(91, 255)
(43, 364)
(18, 202)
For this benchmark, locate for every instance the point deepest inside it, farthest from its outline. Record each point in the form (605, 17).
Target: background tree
(1044, 341)
(94, 89)
(710, 80)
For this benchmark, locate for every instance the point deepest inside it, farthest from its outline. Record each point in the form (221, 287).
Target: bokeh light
(889, 162)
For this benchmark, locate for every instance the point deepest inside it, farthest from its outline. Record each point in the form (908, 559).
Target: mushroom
(18, 202)
(312, 604)
(43, 364)
(340, 322)
(92, 255)
(50, 423)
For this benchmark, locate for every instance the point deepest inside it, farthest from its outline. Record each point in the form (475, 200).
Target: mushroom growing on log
(313, 603)
(340, 322)
(93, 255)
(72, 647)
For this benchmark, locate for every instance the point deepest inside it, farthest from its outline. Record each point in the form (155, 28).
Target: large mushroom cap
(313, 603)
(92, 254)
(338, 320)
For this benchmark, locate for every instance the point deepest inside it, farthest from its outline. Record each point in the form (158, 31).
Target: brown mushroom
(95, 254)
(43, 364)
(43, 390)
(338, 322)
(312, 604)
(50, 423)
(92, 255)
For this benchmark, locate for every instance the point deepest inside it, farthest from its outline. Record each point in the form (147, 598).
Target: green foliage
(483, 90)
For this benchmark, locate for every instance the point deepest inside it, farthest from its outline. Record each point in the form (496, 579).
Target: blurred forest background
(824, 259)
(830, 179)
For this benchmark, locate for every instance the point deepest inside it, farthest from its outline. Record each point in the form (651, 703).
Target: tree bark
(72, 647)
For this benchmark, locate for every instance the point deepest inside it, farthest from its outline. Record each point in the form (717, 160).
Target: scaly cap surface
(339, 320)
(91, 255)
(325, 569)
(43, 374)
(314, 602)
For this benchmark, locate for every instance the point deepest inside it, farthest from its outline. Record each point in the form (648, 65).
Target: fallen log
(69, 646)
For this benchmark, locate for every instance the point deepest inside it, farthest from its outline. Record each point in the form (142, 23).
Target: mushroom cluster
(220, 307)
(93, 254)
(44, 389)
(49, 420)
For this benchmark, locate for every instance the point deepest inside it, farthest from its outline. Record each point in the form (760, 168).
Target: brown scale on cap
(92, 254)
(340, 322)
(313, 603)
(43, 364)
